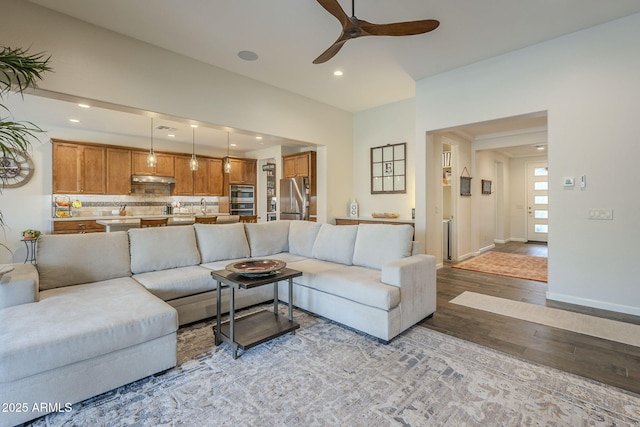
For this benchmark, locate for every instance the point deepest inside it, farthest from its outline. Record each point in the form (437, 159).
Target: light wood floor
(601, 360)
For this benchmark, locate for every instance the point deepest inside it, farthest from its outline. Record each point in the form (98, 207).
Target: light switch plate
(568, 181)
(601, 214)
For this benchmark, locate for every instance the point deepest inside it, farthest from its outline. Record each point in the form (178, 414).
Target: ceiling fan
(353, 28)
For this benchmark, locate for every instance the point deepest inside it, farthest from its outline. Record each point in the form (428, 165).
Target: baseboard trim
(602, 305)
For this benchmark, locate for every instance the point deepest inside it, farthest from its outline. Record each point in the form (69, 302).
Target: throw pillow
(335, 243)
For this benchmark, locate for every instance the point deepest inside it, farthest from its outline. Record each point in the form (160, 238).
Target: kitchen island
(123, 224)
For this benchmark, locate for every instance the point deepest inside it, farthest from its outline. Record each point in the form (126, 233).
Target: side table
(31, 250)
(248, 331)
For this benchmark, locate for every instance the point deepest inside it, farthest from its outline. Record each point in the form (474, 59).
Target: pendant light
(193, 163)
(227, 161)
(152, 160)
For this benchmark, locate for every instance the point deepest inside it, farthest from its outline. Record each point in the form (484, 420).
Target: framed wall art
(388, 169)
(465, 183)
(486, 186)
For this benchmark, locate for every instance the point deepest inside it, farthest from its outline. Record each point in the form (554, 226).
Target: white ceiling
(288, 34)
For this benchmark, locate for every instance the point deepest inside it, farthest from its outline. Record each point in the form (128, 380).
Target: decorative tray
(385, 215)
(256, 267)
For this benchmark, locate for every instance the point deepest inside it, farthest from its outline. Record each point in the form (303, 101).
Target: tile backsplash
(141, 204)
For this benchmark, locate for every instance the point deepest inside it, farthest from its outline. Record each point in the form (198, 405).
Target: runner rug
(504, 264)
(329, 375)
(612, 330)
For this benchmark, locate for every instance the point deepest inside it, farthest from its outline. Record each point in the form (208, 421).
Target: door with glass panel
(538, 201)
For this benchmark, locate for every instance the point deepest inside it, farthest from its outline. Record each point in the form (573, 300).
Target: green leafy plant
(19, 70)
(30, 233)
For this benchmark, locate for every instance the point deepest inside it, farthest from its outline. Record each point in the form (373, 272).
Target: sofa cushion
(335, 243)
(220, 242)
(72, 259)
(177, 282)
(359, 284)
(378, 244)
(302, 236)
(268, 238)
(160, 248)
(76, 323)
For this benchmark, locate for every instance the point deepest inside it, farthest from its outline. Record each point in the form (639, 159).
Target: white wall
(96, 64)
(588, 83)
(389, 124)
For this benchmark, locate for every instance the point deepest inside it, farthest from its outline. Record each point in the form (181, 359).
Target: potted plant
(19, 70)
(30, 234)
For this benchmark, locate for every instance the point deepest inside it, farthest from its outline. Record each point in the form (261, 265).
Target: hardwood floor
(598, 359)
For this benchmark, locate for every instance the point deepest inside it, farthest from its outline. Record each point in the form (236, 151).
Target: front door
(537, 202)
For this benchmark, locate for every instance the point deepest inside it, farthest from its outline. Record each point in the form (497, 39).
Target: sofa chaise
(102, 310)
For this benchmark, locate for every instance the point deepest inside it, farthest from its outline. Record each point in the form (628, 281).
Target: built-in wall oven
(242, 200)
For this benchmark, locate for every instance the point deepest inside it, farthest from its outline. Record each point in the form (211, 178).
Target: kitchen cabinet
(299, 164)
(77, 227)
(165, 166)
(184, 176)
(118, 171)
(78, 168)
(206, 181)
(243, 171)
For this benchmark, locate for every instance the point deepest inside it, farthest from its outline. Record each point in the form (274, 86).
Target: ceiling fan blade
(400, 28)
(334, 8)
(330, 53)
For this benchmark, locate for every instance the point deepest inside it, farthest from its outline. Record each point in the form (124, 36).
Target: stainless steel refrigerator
(294, 198)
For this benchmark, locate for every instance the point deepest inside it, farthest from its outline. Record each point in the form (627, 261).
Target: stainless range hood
(152, 179)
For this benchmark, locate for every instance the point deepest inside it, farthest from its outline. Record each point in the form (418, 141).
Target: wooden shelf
(258, 328)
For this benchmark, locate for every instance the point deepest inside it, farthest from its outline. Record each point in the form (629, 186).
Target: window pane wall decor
(388, 165)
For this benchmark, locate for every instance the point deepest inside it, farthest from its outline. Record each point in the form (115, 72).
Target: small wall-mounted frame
(465, 185)
(486, 186)
(388, 166)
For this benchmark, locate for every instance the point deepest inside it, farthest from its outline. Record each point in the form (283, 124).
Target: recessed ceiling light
(194, 126)
(74, 120)
(337, 73)
(171, 135)
(258, 137)
(234, 145)
(84, 105)
(247, 55)
(540, 147)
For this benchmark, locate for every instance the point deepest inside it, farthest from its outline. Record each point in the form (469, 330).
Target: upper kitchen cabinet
(165, 166)
(243, 171)
(206, 181)
(118, 171)
(184, 176)
(299, 164)
(78, 168)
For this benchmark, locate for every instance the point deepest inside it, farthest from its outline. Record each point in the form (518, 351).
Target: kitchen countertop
(369, 218)
(177, 218)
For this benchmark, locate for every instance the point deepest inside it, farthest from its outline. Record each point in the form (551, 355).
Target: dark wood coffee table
(248, 331)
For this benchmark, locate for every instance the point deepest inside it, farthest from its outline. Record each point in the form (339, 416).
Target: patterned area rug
(326, 374)
(504, 264)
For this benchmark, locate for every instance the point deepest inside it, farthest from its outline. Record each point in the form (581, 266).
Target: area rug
(612, 330)
(328, 375)
(504, 264)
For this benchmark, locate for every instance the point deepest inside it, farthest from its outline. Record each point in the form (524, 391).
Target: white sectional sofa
(101, 310)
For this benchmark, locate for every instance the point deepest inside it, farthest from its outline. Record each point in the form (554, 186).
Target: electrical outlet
(601, 214)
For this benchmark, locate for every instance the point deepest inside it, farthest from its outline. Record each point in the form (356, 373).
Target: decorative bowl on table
(256, 267)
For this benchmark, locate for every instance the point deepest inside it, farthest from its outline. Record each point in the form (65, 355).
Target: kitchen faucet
(203, 206)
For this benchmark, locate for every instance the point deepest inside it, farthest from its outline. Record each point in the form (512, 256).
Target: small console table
(248, 331)
(31, 250)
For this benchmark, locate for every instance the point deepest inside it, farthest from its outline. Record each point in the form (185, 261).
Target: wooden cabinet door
(288, 167)
(215, 178)
(184, 176)
(201, 178)
(93, 170)
(249, 172)
(118, 171)
(236, 176)
(301, 165)
(66, 168)
(165, 166)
